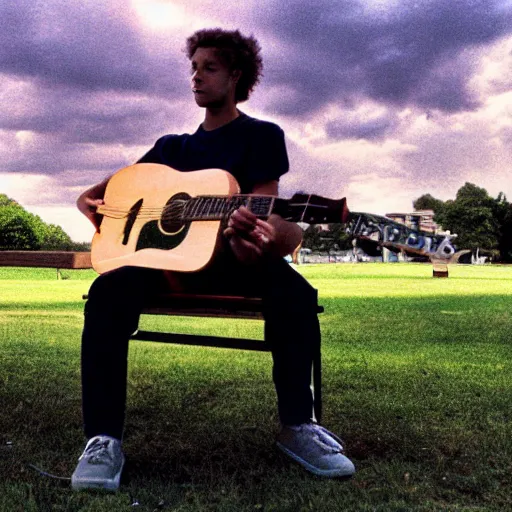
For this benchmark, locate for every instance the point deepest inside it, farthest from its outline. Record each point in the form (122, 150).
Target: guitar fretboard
(219, 207)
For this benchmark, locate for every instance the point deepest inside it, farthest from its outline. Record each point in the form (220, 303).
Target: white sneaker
(100, 466)
(316, 449)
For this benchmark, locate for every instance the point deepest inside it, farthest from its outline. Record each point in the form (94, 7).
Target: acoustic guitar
(157, 217)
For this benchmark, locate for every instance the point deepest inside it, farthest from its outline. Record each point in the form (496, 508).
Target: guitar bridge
(130, 220)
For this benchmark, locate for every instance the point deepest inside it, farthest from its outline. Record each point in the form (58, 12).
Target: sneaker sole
(329, 473)
(79, 484)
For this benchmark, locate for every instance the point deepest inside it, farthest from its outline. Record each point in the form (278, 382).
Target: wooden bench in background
(49, 259)
(175, 304)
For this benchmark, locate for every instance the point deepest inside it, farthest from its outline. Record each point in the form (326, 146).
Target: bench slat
(49, 259)
(210, 312)
(206, 341)
(222, 306)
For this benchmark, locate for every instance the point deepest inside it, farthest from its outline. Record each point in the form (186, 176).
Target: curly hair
(237, 51)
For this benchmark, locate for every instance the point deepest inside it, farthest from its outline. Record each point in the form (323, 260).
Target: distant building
(422, 220)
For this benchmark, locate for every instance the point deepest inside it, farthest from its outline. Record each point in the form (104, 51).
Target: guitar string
(305, 208)
(207, 207)
(157, 210)
(200, 208)
(222, 208)
(172, 210)
(168, 213)
(196, 202)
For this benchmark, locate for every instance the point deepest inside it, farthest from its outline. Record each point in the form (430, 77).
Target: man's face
(213, 84)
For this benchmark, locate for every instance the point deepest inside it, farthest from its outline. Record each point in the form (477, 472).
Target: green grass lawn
(417, 381)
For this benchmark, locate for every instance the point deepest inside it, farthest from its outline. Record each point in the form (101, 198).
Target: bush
(19, 229)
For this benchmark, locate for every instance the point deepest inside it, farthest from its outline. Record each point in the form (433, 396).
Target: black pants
(112, 314)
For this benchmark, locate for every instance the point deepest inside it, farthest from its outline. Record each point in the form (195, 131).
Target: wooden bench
(176, 304)
(49, 259)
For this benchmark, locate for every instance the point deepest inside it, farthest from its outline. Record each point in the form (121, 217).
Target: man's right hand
(89, 202)
(88, 207)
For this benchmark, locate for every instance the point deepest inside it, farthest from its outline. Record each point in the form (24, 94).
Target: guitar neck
(220, 207)
(311, 209)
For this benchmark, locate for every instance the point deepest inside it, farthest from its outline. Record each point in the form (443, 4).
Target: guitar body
(139, 236)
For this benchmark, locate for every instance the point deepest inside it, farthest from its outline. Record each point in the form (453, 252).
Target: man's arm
(89, 201)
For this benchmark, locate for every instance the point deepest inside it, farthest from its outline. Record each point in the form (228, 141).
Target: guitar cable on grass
(50, 475)
(8, 447)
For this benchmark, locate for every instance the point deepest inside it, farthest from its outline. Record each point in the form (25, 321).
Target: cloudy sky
(381, 100)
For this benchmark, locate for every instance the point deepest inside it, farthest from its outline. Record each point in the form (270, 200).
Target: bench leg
(317, 385)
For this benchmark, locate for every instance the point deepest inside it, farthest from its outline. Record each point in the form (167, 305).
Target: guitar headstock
(313, 209)
(381, 231)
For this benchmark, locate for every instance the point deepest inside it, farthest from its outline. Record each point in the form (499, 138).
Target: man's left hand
(249, 237)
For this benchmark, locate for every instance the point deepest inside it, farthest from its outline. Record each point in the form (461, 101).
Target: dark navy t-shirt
(253, 151)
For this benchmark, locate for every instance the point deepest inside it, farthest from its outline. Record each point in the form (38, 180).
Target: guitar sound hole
(171, 222)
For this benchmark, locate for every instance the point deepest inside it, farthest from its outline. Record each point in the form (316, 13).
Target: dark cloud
(370, 129)
(397, 55)
(76, 116)
(47, 155)
(68, 129)
(327, 51)
(84, 44)
(89, 45)
(446, 88)
(85, 80)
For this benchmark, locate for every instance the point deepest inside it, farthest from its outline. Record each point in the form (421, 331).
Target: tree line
(480, 221)
(21, 230)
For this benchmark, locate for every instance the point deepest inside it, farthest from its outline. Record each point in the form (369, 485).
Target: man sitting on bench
(225, 68)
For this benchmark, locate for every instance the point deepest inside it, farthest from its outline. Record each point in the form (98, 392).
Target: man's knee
(107, 286)
(300, 299)
(125, 285)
